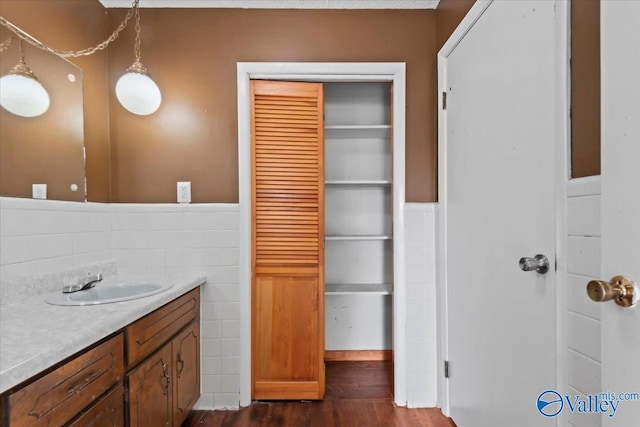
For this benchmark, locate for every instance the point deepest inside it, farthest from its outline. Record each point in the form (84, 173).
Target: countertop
(35, 335)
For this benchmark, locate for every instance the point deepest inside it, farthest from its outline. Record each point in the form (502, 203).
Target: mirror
(47, 149)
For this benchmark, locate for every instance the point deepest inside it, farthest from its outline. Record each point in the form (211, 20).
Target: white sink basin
(104, 293)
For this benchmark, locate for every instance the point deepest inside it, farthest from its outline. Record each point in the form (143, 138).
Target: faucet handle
(91, 281)
(83, 283)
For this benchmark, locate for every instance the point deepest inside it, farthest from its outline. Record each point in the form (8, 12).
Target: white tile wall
(421, 304)
(41, 236)
(171, 240)
(44, 236)
(583, 315)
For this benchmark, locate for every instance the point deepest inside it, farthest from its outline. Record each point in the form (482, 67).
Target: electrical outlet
(39, 191)
(184, 192)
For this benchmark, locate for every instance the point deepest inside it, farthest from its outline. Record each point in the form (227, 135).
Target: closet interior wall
(358, 219)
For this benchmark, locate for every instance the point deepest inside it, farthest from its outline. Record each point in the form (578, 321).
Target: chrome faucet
(84, 283)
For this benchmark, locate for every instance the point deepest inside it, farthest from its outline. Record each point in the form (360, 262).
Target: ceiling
(280, 4)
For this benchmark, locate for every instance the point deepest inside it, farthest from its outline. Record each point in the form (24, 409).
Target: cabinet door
(150, 391)
(287, 240)
(186, 372)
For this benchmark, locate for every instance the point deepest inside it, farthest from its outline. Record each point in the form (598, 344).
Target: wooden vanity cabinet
(158, 356)
(163, 388)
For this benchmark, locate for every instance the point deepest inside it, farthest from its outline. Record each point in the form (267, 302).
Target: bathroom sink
(104, 293)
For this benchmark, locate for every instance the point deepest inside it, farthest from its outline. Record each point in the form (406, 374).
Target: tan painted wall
(192, 55)
(585, 88)
(76, 24)
(448, 15)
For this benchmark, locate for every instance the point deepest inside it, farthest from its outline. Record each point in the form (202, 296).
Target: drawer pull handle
(180, 365)
(85, 382)
(167, 379)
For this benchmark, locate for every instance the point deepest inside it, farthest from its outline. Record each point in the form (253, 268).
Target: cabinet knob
(180, 365)
(167, 379)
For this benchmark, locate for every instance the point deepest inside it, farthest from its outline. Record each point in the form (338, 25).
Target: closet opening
(361, 273)
(358, 160)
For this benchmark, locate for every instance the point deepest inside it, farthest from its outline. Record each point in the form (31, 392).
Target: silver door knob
(539, 263)
(620, 289)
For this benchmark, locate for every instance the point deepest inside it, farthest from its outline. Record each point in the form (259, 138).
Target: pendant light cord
(83, 52)
(136, 45)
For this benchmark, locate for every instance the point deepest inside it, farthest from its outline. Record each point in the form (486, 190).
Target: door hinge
(126, 395)
(446, 369)
(444, 100)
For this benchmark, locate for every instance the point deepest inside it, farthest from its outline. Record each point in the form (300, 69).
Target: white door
(500, 204)
(620, 44)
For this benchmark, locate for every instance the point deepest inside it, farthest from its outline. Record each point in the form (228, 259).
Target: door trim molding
(394, 72)
(562, 134)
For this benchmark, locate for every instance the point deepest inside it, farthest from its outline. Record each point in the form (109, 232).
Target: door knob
(620, 289)
(539, 263)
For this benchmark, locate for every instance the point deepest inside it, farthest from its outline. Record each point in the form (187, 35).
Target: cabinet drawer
(63, 393)
(107, 412)
(155, 329)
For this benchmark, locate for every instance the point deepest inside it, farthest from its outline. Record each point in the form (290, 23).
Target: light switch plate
(39, 191)
(184, 192)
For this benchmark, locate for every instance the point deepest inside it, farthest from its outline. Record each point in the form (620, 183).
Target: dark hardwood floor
(357, 394)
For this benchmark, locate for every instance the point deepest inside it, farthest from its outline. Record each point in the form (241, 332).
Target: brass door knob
(620, 289)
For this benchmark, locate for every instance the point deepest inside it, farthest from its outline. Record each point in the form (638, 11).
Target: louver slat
(288, 175)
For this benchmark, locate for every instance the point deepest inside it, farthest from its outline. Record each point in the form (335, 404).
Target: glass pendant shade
(22, 94)
(137, 92)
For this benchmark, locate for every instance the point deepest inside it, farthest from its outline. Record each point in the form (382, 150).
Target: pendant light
(22, 94)
(20, 91)
(135, 90)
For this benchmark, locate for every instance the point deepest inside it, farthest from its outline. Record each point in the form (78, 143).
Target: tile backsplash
(44, 236)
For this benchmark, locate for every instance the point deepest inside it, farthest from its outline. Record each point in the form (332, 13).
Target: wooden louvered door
(287, 130)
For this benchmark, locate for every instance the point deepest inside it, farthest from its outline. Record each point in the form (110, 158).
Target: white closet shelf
(358, 288)
(357, 131)
(376, 182)
(358, 237)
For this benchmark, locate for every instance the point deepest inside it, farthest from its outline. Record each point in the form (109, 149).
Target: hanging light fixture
(23, 94)
(20, 91)
(135, 90)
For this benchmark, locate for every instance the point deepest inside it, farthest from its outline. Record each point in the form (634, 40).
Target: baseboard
(357, 355)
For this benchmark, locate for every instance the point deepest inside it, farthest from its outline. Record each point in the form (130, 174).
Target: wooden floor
(357, 394)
